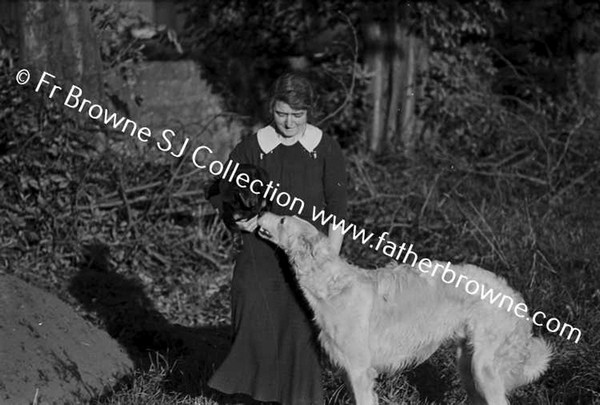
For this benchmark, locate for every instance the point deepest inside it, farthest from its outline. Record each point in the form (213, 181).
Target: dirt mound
(46, 346)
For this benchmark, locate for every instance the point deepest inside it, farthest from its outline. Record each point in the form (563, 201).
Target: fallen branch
(210, 258)
(502, 174)
(114, 204)
(377, 197)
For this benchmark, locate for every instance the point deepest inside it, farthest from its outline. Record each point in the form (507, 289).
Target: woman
(274, 356)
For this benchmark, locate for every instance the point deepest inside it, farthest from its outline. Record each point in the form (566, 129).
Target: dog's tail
(540, 354)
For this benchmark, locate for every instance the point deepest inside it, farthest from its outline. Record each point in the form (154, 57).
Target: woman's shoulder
(328, 144)
(246, 147)
(248, 141)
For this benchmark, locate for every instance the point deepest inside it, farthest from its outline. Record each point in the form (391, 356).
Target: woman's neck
(292, 139)
(289, 140)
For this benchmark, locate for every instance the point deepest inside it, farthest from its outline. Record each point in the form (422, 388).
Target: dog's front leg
(363, 383)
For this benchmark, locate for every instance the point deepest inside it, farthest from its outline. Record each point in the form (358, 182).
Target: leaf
(61, 181)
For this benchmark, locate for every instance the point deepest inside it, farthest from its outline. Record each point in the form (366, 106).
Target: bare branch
(350, 92)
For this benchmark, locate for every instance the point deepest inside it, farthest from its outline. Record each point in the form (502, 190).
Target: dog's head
(297, 237)
(238, 203)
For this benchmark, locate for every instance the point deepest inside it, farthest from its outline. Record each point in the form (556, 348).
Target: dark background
(470, 130)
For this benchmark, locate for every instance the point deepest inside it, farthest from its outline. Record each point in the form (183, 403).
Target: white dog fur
(390, 318)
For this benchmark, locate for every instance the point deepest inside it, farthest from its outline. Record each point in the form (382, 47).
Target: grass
(125, 237)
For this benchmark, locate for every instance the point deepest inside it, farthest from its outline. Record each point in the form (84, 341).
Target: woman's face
(289, 122)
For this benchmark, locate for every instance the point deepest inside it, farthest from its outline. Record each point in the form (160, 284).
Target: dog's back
(374, 320)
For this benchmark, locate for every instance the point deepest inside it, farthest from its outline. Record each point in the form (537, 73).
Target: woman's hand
(336, 237)
(248, 225)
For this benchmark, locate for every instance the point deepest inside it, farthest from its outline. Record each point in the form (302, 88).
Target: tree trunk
(408, 133)
(376, 64)
(393, 57)
(58, 37)
(397, 81)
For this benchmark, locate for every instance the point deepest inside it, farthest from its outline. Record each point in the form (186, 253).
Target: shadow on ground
(129, 316)
(429, 382)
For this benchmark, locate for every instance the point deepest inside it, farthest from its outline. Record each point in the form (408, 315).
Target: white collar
(268, 139)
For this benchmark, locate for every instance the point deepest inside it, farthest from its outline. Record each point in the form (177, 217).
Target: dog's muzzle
(263, 217)
(264, 233)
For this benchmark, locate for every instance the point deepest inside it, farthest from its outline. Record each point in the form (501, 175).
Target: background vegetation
(504, 174)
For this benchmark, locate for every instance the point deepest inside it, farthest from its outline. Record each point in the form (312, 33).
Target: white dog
(393, 317)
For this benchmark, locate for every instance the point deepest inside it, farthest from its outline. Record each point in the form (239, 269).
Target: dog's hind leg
(363, 384)
(464, 359)
(488, 381)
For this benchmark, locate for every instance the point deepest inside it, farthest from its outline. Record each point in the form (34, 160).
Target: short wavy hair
(295, 90)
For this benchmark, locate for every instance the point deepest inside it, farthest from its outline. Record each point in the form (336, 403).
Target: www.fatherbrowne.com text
(271, 192)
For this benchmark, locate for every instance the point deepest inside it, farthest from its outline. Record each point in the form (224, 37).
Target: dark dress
(274, 355)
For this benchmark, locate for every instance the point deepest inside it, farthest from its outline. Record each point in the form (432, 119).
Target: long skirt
(274, 355)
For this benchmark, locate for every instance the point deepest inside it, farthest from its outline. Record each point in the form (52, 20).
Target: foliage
(511, 187)
(154, 271)
(120, 52)
(458, 70)
(124, 38)
(243, 47)
(118, 48)
(535, 56)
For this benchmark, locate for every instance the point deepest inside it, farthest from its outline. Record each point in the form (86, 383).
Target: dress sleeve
(335, 181)
(241, 153)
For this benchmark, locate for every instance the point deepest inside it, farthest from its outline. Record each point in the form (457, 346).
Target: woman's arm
(241, 153)
(335, 239)
(335, 183)
(248, 225)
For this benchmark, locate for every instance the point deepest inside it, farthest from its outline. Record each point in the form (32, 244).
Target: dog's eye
(281, 221)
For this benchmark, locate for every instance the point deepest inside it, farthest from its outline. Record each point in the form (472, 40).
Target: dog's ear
(249, 200)
(299, 252)
(228, 216)
(316, 246)
(297, 243)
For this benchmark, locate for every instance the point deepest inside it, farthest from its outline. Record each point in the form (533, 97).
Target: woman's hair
(294, 90)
